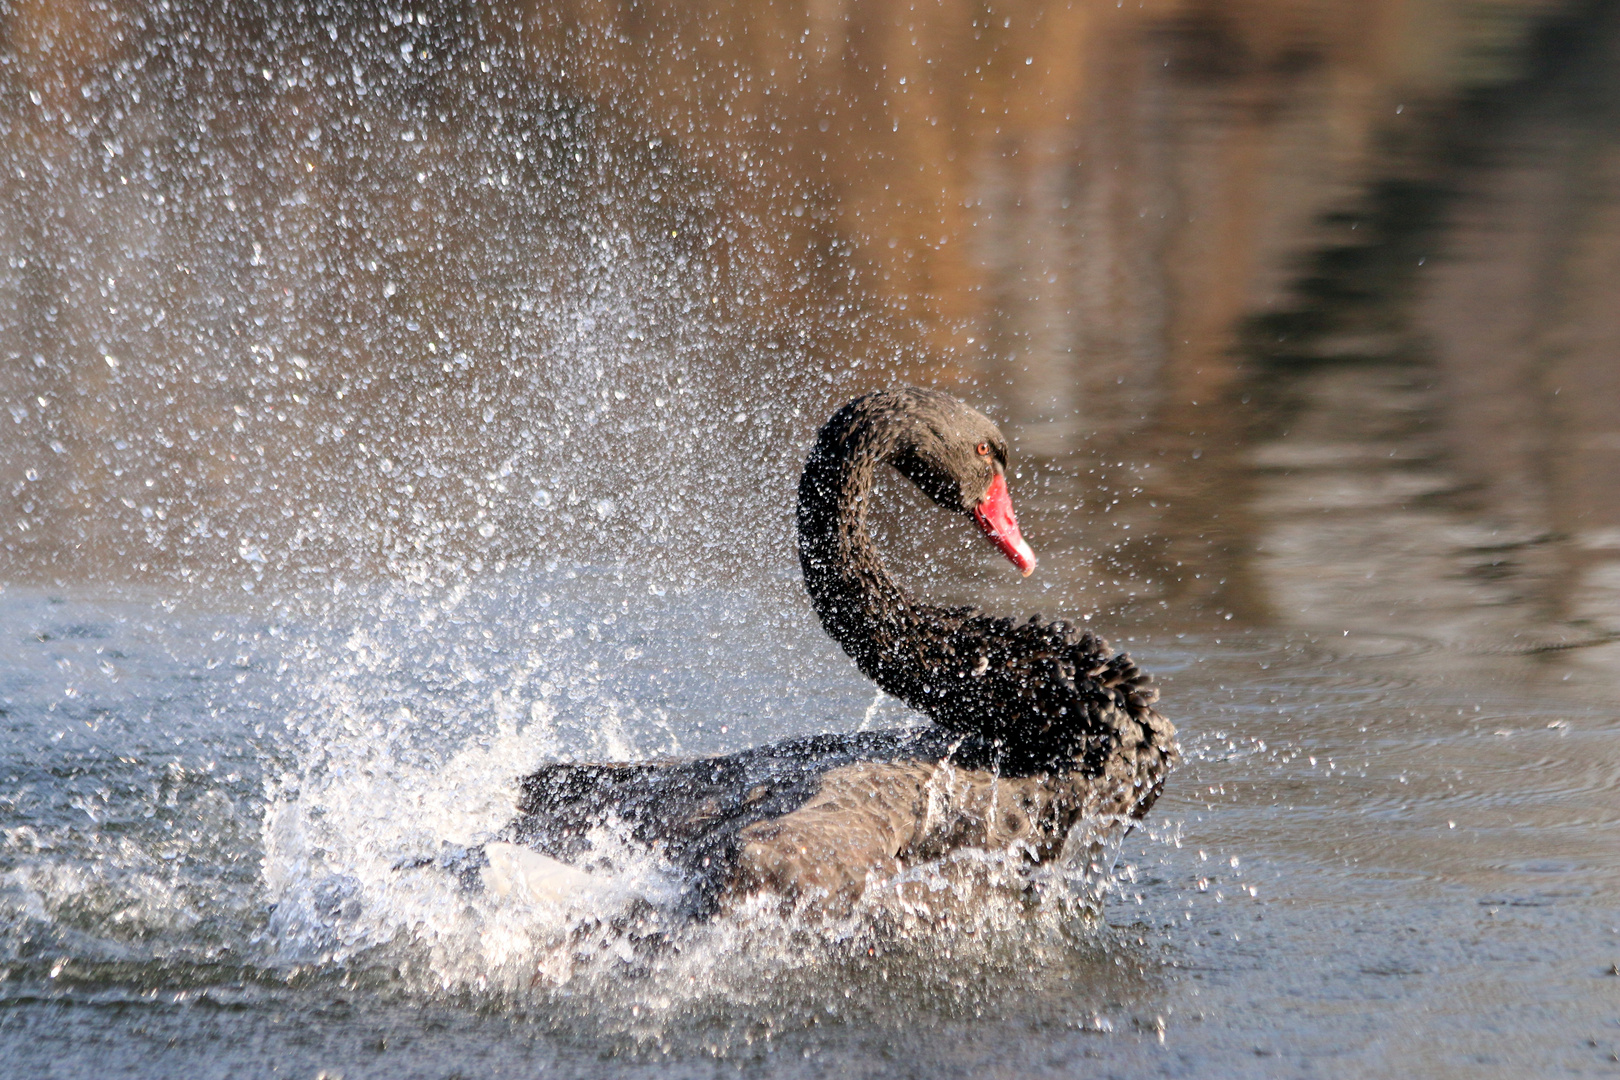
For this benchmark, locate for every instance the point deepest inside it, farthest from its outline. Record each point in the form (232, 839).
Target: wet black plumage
(1045, 695)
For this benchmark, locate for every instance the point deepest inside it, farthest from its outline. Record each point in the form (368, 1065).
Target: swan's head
(959, 459)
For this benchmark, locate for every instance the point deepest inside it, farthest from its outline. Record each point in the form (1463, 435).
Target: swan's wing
(1139, 745)
(1050, 697)
(521, 874)
(692, 808)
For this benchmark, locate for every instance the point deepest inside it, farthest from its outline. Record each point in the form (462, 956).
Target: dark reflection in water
(1300, 314)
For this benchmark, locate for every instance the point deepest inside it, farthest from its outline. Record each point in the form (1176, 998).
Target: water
(397, 403)
(1378, 850)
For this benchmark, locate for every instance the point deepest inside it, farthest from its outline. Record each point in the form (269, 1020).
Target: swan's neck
(862, 607)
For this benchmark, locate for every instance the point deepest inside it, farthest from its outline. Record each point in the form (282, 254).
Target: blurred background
(1294, 309)
(399, 395)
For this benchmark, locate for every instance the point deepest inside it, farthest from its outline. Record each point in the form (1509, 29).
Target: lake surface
(396, 404)
(1382, 854)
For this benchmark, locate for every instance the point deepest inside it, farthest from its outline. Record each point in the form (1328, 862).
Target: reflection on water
(1444, 460)
(465, 357)
(447, 287)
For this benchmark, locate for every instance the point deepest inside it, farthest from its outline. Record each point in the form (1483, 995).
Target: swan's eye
(984, 449)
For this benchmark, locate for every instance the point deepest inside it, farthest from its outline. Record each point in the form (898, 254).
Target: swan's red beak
(995, 516)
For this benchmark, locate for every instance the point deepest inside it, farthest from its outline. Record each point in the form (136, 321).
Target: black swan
(1037, 726)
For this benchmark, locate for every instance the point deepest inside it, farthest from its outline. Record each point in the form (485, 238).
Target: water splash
(385, 776)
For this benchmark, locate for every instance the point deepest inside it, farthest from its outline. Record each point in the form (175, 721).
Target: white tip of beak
(1027, 565)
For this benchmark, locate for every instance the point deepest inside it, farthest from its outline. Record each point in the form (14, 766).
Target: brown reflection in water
(1527, 332)
(1144, 235)
(1445, 465)
(1073, 203)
